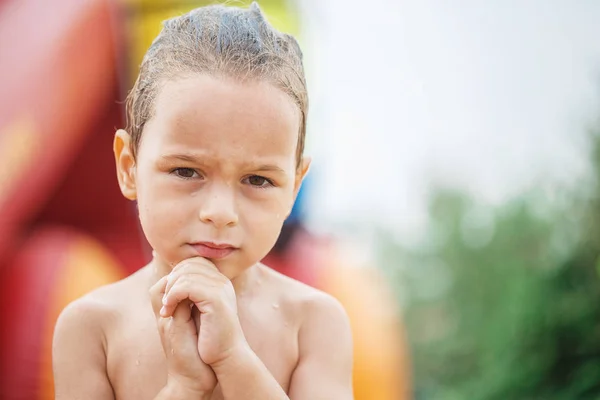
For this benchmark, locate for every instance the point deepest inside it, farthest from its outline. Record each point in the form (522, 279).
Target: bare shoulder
(324, 368)
(310, 305)
(102, 306)
(80, 340)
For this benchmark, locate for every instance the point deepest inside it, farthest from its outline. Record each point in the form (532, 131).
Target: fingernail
(164, 300)
(163, 311)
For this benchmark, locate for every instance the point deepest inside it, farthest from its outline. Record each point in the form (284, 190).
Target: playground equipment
(65, 229)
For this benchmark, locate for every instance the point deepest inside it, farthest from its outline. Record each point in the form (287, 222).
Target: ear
(301, 172)
(125, 163)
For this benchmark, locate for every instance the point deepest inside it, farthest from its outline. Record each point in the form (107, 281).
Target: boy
(213, 155)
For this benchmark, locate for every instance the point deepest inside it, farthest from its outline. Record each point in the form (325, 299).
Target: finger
(195, 261)
(198, 266)
(196, 318)
(186, 287)
(177, 331)
(176, 275)
(181, 330)
(180, 316)
(195, 265)
(183, 313)
(157, 292)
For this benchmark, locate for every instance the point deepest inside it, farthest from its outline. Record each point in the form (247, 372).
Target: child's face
(216, 164)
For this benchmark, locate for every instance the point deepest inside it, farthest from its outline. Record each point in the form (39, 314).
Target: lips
(213, 251)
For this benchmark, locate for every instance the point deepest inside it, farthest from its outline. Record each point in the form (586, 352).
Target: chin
(230, 269)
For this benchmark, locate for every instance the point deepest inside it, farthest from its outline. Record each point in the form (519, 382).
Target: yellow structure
(145, 18)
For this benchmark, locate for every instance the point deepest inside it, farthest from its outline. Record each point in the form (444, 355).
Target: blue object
(299, 208)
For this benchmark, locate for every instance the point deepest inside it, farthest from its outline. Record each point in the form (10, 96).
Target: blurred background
(453, 205)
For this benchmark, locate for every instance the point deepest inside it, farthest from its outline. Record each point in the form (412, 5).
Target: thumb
(196, 318)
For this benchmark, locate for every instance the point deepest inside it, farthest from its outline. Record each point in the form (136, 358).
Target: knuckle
(187, 283)
(184, 265)
(179, 287)
(178, 266)
(174, 294)
(171, 279)
(181, 290)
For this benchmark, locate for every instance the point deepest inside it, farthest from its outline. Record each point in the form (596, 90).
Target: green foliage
(504, 302)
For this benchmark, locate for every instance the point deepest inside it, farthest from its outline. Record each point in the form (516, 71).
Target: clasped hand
(196, 310)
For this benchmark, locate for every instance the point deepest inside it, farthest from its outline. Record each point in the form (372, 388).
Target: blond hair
(218, 41)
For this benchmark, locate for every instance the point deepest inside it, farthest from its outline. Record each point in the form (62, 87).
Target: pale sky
(485, 94)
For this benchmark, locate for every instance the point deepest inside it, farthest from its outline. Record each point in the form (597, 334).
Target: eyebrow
(268, 168)
(182, 157)
(194, 159)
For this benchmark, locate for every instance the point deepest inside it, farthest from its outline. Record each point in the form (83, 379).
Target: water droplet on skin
(137, 362)
(275, 305)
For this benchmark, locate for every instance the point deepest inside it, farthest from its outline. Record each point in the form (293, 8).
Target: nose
(218, 206)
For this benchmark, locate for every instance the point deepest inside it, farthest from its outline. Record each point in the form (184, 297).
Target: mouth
(214, 251)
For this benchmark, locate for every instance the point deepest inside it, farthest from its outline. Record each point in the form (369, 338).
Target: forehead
(221, 116)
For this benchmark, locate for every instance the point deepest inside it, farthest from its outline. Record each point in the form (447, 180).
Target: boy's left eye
(185, 173)
(259, 181)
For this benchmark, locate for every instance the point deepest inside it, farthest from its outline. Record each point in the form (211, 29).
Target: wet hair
(220, 41)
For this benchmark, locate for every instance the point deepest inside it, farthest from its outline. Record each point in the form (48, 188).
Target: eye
(185, 173)
(259, 181)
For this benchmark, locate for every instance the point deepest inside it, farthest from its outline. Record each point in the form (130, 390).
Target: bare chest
(136, 363)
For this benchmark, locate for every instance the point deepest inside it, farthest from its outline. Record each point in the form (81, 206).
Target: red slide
(64, 226)
(60, 206)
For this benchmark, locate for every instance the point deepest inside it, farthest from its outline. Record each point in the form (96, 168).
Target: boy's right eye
(185, 173)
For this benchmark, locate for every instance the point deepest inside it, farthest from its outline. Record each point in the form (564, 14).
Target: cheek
(157, 198)
(264, 221)
(154, 225)
(162, 216)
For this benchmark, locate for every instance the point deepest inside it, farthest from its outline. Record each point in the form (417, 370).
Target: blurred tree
(502, 303)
